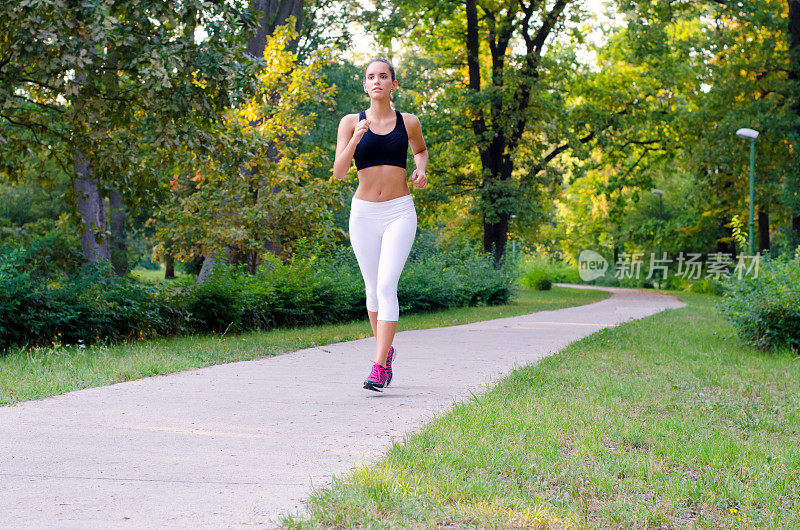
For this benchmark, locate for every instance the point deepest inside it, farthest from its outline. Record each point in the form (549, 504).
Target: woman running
(383, 221)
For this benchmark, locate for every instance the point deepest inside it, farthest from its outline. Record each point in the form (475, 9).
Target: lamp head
(750, 134)
(657, 192)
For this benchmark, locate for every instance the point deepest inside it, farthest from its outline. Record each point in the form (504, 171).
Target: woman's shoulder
(409, 119)
(350, 119)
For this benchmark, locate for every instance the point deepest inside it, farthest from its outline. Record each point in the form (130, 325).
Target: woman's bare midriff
(381, 183)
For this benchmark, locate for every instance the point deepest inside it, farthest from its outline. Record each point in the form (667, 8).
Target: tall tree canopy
(105, 88)
(696, 73)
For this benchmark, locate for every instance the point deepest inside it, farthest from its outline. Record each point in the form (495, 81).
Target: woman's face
(378, 81)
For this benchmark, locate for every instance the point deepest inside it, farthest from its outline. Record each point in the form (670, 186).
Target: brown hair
(382, 60)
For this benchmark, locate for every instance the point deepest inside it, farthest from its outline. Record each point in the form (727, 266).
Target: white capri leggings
(382, 234)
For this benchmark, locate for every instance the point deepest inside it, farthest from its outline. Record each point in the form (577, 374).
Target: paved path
(240, 443)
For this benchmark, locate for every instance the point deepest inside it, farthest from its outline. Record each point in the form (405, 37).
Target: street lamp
(660, 194)
(750, 134)
(513, 241)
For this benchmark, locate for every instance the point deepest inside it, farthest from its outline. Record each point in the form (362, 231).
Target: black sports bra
(382, 149)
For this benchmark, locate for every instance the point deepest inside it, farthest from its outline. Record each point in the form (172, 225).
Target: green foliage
(441, 278)
(703, 286)
(254, 183)
(329, 288)
(95, 305)
(307, 291)
(706, 286)
(679, 88)
(540, 272)
(765, 309)
(92, 305)
(124, 83)
(739, 233)
(49, 247)
(22, 203)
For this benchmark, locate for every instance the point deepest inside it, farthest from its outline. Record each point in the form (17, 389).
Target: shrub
(452, 279)
(215, 304)
(676, 283)
(706, 286)
(94, 304)
(91, 305)
(49, 247)
(540, 273)
(765, 308)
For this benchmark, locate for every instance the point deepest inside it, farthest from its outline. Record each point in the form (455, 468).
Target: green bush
(48, 247)
(451, 279)
(329, 288)
(765, 308)
(95, 305)
(706, 286)
(216, 303)
(540, 273)
(676, 283)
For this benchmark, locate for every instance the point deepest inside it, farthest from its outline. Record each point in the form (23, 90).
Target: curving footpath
(241, 443)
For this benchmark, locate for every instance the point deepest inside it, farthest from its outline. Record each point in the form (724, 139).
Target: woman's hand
(418, 178)
(358, 132)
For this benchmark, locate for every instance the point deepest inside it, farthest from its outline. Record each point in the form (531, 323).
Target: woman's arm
(420, 150)
(347, 138)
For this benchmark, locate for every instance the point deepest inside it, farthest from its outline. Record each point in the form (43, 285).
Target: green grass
(664, 422)
(41, 372)
(152, 275)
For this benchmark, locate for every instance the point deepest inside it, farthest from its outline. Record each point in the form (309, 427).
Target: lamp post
(751, 135)
(660, 194)
(513, 241)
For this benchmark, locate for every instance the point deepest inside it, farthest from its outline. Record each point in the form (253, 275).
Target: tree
(500, 127)
(255, 184)
(794, 75)
(109, 88)
(678, 79)
(508, 64)
(270, 15)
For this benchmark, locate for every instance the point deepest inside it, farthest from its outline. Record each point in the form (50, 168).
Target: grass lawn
(152, 275)
(664, 422)
(40, 372)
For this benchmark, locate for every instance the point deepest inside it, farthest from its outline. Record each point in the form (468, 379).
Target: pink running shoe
(377, 378)
(389, 358)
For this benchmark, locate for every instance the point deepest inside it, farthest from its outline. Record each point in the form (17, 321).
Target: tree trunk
(497, 197)
(169, 273)
(473, 49)
(506, 117)
(273, 14)
(119, 246)
(763, 229)
(209, 262)
(796, 227)
(91, 208)
(495, 236)
(207, 268)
